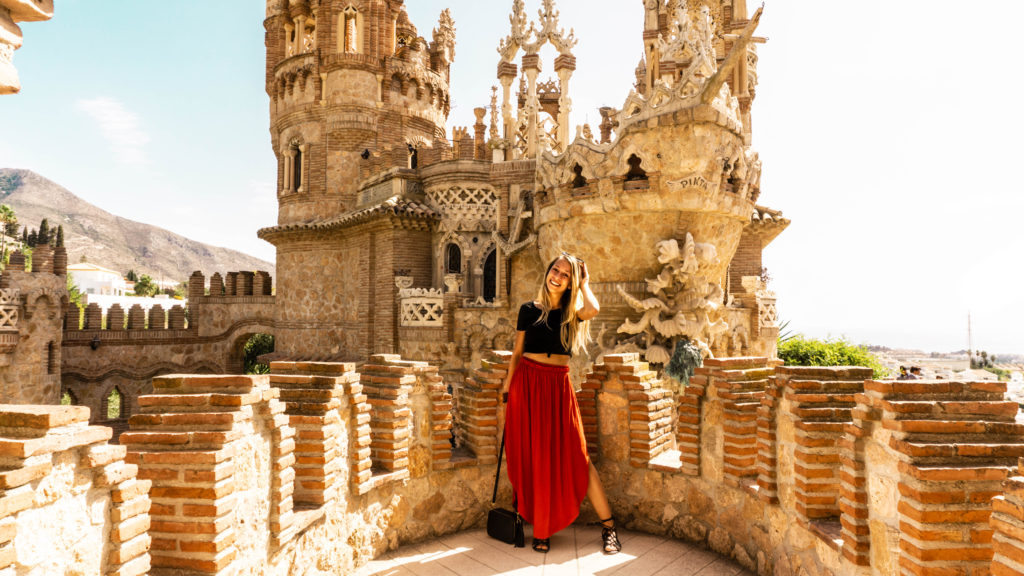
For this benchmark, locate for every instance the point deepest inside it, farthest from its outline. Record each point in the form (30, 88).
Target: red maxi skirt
(545, 446)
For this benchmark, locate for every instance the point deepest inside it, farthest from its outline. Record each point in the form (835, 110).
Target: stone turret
(356, 97)
(368, 87)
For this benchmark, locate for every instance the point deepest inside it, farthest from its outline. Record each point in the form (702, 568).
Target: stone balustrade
(787, 470)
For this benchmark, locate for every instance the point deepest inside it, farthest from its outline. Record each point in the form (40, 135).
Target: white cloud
(121, 128)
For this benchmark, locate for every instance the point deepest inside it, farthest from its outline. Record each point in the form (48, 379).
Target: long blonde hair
(575, 333)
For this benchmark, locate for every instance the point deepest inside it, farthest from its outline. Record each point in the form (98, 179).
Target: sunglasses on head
(580, 260)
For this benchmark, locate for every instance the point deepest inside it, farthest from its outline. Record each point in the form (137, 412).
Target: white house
(93, 279)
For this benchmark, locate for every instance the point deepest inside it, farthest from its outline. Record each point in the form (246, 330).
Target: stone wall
(31, 315)
(367, 454)
(127, 348)
(815, 471)
(845, 473)
(67, 498)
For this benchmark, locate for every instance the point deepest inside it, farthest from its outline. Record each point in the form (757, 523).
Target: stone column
(300, 33)
(564, 67)
(289, 44)
(289, 167)
(480, 134)
(531, 67)
(303, 168)
(506, 75)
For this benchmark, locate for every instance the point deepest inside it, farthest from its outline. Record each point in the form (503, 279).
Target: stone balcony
(326, 468)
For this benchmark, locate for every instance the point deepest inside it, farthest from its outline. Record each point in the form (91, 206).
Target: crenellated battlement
(122, 350)
(31, 313)
(817, 468)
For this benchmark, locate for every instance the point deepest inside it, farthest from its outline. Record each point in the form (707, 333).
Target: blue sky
(887, 131)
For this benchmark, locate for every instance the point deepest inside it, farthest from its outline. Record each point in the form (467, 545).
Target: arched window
(51, 358)
(635, 171)
(453, 259)
(115, 405)
(297, 170)
(350, 26)
(579, 181)
(413, 157)
(491, 276)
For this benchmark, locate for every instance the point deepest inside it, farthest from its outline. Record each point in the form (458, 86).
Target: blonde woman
(546, 450)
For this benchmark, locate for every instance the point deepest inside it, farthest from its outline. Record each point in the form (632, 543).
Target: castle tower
(355, 97)
(676, 188)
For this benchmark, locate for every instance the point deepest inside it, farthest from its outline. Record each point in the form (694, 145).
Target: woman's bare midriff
(553, 359)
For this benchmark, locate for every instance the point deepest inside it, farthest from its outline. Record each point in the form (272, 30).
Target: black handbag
(502, 524)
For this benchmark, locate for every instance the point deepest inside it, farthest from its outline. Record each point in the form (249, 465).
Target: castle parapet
(232, 284)
(215, 448)
(100, 526)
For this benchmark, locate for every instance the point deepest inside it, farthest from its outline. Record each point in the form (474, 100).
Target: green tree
(131, 276)
(44, 233)
(801, 351)
(256, 345)
(60, 236)
(7, 219)
(33, 238)
(24, 235)
(74, 294)
(145, 286)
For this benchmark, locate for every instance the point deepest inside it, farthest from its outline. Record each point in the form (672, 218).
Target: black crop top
(541, 338)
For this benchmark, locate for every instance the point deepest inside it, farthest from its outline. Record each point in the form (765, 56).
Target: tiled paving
(575, 551)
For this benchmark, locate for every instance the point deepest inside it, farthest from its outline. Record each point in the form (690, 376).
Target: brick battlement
(785, 466)
(52, 466)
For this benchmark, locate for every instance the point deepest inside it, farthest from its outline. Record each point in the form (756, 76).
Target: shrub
(256, 345)
(801, 351)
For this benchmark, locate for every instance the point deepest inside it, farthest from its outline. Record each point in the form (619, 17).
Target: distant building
(94, 279)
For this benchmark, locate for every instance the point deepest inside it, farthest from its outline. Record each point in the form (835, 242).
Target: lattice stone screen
(422, 307)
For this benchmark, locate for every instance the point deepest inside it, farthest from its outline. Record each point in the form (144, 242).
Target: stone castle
(402, 258)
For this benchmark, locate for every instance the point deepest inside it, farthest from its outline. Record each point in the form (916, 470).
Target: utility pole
(970, 342)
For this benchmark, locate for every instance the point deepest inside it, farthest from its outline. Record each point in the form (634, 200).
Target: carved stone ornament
(10, 310)
(453, 282)
(686, 303)
(403, 282)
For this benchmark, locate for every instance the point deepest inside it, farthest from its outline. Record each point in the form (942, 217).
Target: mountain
(112, 241)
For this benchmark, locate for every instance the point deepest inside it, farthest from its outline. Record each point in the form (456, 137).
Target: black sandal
(542, 545)
(609, 536)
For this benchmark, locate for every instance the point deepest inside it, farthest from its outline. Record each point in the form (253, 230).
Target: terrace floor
(575, 551)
